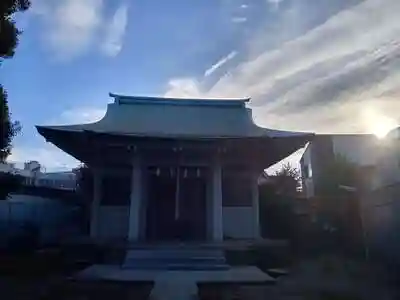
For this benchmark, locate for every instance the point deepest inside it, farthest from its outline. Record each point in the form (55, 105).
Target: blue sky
(309, 65)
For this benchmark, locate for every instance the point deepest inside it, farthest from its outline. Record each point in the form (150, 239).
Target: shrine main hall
(169, 169)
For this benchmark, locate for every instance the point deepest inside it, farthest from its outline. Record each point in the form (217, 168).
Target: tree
(9, 183)
(9, 128)
(8, 42)
(287, 180)
(8, 31)
(277, 200)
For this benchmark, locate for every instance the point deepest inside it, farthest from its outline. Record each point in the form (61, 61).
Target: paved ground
(322, 279)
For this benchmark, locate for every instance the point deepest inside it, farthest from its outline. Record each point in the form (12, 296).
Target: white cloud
(49, 156)
(52, 158)
(183, 88)
(78, 115)
(239, 19)
(81, 115)
(69, 26)
(219, 63)
(74, 27)
(324, 79)
(115, 32)
(275, 3)
(343, 76)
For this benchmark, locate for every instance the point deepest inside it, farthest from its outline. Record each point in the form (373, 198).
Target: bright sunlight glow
(377, 123)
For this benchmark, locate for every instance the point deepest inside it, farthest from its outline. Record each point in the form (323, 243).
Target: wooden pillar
(97, 186)
(255, 204)
(135, 200)
(209, 205)
(217, 202)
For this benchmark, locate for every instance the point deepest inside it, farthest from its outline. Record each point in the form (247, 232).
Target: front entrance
(176, 204)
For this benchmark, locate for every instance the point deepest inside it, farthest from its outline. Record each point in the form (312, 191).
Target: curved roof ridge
(125, 99)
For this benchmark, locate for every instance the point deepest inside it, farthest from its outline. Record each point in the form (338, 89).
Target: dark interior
(169, 218)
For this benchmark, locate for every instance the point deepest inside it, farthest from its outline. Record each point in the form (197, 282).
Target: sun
(378, 124)
(381, 125)
(381, 129)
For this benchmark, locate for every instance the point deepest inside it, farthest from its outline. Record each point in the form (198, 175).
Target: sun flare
(379, 124)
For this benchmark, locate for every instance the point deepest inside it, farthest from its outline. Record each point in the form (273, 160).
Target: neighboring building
(381, 205)
(32, 166)
(46, 202)
(35, 177)
(175, 168)
(388, 164)
(57, 180)
(360, 149)
(379, 163)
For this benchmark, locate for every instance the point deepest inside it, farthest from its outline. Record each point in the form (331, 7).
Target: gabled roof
(180, 118)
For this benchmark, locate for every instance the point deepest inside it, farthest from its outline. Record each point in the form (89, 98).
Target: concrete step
(175, 259)
(175, 266)
(199, 260)
(171, 253)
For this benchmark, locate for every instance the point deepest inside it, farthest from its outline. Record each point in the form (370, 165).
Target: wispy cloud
(275, 3)
(220, 63)
(183, 88)
(69, 25)
(323, 80)
(115, 32)
(81, 115)
(49, 156)
(74, 27)
(239, 19)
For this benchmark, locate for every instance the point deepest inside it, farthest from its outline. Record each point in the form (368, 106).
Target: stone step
(175, 259)
(178, 259)
(175, 266)
(172, 255)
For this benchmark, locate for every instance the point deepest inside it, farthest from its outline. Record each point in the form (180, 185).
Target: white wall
(113, 222)
(238, 222)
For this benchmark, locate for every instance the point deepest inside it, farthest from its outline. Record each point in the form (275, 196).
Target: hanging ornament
(158, 171)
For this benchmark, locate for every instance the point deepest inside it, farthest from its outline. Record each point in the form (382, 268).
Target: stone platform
(237, 275)
(176, 270)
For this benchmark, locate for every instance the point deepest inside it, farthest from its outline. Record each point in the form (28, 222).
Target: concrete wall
(388, 164)
(381, 209)
(113, 222)
(238, 222)
(52, 217)
(360, 149)
(381, 206)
